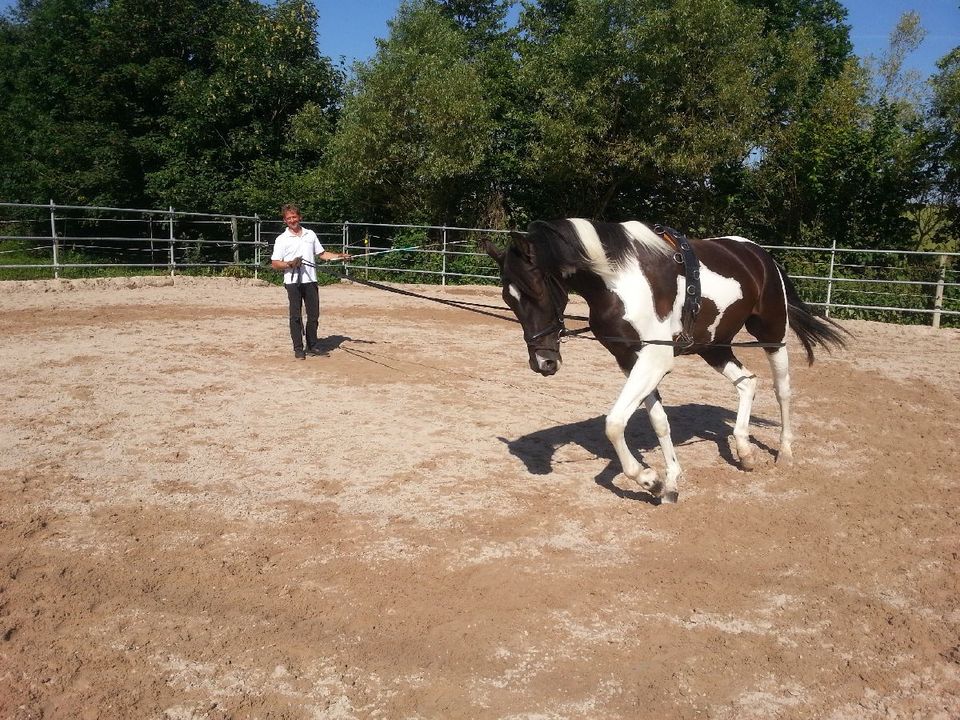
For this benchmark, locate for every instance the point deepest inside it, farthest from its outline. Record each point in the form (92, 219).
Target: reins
(470, 307)
(563, 331)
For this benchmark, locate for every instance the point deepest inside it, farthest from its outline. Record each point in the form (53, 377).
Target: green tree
(230, 127)
(846, 167)
(60, 131)
(636, 104)
(492, 47)
(944, 166)
(845, 170)
(183, 102)
(416, 125)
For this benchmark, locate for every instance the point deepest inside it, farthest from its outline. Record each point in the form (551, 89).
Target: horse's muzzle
(545, 362)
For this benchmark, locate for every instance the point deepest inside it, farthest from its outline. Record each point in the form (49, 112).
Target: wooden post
(234, 230)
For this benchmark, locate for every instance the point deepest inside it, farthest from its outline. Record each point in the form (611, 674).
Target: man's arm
(285, 264)
(327, 255)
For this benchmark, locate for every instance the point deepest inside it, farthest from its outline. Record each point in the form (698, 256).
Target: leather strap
(691, 271)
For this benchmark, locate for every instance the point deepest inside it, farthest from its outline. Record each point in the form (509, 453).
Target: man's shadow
(687, 422)
(333, 342)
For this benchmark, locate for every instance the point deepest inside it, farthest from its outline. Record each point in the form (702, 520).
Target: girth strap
(691, 270)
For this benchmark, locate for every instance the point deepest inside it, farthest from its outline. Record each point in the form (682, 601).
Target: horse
(636, 280)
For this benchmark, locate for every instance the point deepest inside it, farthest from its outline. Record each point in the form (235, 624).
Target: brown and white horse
(634, 283)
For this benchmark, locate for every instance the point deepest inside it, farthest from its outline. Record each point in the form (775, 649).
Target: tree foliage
(844, 170)
(416, 124)
(634, 99)
(944, 157)
(748, 116)
(158, 101)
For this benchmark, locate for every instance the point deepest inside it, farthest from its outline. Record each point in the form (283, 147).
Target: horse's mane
(565, 246)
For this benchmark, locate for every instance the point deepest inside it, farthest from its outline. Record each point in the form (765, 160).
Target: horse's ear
(493, 251)
(522, 242)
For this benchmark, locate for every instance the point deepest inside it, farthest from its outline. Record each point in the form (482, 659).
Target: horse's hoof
(649, 481)
(745, 454)
(785, 457)
(670, 498)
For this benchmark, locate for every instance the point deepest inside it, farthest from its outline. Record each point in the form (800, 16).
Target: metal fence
(61, 241)
(76, 241)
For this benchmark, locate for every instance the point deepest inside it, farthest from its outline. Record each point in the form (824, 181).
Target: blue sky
(349, 29)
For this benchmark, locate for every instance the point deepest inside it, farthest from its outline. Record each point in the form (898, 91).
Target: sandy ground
(195, 525)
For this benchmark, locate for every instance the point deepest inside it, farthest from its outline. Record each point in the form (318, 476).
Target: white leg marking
(780, 366)
(653, 362)
(661, 426)
(746, 384)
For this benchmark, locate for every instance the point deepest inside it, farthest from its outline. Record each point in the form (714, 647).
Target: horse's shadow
(687, 423)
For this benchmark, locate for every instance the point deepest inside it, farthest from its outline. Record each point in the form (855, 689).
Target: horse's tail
(812, 328)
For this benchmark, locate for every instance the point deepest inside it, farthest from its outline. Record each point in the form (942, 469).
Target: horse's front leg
(653, 362)
(661, 426)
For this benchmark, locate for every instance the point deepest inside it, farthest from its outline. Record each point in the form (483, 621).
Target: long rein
(471, 307)
(564, 332)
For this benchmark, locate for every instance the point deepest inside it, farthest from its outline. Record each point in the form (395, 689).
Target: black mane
(559, 248)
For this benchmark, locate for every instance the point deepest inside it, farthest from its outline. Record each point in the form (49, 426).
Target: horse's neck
(588, 285)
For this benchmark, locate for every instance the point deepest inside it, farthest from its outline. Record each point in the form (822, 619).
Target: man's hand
(295, 263)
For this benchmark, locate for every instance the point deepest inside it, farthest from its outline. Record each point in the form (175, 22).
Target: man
(295, 252)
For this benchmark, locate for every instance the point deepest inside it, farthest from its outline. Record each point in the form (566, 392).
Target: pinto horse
(635, 284)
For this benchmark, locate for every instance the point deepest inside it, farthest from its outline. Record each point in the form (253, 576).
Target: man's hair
(289, 207)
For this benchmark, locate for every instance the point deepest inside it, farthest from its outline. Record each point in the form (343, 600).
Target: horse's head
(537, 299)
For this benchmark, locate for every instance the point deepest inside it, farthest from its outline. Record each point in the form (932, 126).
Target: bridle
(558, 295)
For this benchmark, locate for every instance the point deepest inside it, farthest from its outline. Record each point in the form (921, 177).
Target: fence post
(833, 257)
(173, 261)
(345, 245)
(256, 246)
(234, 230)
(938, 295)
(153, 256)
(443, 269)
(53, 238)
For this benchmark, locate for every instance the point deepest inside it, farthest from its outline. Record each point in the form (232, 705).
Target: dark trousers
(303, 295)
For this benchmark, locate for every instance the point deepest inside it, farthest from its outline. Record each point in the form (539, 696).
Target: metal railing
(84, 238)
(69, 240)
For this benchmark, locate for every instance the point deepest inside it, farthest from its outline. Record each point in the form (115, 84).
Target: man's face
(292, 220)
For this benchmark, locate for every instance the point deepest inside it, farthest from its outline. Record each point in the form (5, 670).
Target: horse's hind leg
(724, 362)
(780, 367)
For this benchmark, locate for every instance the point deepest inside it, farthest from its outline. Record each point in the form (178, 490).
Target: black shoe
(299, 354)
(316, 352)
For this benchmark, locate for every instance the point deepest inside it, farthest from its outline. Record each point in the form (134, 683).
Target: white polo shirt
(306, 245)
